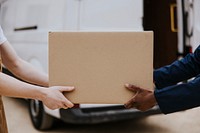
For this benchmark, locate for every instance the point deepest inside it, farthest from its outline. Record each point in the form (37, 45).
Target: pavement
(183, 122)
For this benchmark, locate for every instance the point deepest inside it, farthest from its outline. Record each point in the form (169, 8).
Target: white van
(26, 24)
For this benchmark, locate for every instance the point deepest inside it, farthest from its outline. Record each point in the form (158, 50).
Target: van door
(110, 15)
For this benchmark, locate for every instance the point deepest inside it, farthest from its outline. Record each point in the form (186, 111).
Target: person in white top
(52, 97)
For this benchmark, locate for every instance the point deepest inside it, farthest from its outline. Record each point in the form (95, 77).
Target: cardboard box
(98, 64)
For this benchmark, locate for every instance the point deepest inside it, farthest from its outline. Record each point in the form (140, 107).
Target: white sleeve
(2, 37)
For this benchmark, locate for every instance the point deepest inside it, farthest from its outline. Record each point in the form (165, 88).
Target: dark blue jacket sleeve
(171, 97)
(179, 97)
(180, 70)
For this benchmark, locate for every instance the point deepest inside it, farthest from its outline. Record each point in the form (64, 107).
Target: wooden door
(160, 16)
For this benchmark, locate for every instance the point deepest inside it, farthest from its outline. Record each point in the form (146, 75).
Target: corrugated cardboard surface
(98, 64)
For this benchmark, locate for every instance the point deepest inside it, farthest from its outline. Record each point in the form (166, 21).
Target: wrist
(42, 93)
(153, 98)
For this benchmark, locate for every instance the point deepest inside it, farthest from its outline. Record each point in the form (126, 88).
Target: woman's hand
(53, 97)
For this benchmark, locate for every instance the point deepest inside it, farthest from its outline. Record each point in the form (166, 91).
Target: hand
(143, 100)
(55, 99)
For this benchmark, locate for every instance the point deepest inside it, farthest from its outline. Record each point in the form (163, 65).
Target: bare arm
(52, 97)
(21, 68)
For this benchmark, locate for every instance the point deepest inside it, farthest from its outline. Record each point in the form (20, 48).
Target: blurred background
(26, 23)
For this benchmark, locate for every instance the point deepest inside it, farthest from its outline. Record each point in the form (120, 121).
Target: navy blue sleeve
(179, 97)
(178, 71)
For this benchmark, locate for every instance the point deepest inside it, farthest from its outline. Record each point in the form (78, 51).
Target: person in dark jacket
(170, 96)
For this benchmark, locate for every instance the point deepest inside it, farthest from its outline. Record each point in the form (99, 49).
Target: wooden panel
(157, 18)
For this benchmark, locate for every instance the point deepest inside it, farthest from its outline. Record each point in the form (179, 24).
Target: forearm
(178, 71)
(179, 97)
(20, 68)
(27, 72)
(14, 88)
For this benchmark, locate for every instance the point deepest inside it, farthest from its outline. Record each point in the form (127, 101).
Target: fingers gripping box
(98, 64)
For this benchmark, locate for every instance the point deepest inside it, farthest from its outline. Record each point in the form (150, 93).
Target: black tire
(39, 118)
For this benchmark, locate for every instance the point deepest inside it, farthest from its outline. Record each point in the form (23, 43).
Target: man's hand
(143, 100)
(55, 99)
